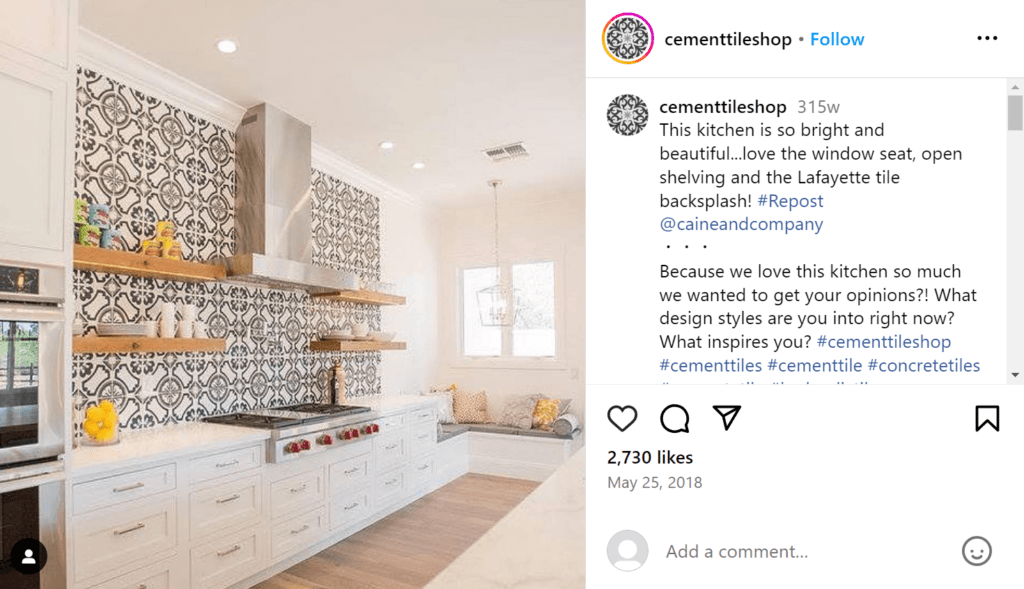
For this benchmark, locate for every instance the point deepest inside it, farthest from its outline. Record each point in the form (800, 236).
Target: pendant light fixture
(497, 303)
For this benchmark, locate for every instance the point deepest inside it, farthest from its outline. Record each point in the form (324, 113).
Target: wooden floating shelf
(117, 262)
(142, 345)
(353, 346)
(364, 297)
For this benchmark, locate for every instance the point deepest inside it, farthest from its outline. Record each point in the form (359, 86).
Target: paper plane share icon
(728, 413)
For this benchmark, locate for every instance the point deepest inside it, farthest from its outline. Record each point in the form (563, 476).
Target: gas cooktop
(283, 417)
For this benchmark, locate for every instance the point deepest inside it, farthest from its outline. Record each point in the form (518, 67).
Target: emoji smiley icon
(977, 551)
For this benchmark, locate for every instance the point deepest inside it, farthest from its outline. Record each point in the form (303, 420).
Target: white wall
(548, 227)
(409, 258)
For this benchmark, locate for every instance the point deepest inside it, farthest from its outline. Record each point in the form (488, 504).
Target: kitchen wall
(546, 227)
(150, 161)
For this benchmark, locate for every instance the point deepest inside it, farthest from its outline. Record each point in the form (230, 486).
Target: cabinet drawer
(298, 532)
(234, 504)
(421, 472)
(348, 473)
(296, 492)
(390, 450)
(123, 535)
(392, 421)
(123, 487)
(225, 463)
(422, 415)
(350, 507)
(160, 576)
(390, 486)
(423, 438)
(229, 559)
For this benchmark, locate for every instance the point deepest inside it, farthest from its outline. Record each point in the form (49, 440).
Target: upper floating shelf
(364, 297)
(117, 262)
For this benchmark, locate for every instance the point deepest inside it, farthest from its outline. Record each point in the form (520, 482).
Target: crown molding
(327, 161)
(102, 55)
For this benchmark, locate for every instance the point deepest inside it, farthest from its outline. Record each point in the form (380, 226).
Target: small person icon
(627, 550)
(28, 558)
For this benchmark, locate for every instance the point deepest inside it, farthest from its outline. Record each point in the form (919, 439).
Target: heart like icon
(622, 416)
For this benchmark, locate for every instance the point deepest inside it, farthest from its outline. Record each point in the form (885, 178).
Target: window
(533, 334)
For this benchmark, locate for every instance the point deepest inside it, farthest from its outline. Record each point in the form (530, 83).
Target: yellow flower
(91, 427)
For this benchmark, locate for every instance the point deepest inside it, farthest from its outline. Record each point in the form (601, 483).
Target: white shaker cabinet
(40, 28)
(36, 90)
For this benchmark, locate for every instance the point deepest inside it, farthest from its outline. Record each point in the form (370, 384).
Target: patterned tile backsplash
(151, 161)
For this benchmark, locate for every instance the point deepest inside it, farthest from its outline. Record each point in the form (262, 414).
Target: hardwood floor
(409, 547)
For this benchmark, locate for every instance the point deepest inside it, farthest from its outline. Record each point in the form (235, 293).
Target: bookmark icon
(728, 413)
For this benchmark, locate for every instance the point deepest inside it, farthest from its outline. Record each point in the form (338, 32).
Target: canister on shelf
(89, 235)
(81, 211)
(152, 247)
(111, 239)
(165, 229)
(99, 215)
(170, 249)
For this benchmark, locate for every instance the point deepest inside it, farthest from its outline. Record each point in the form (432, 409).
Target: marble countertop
(538, 545)
(139, 447)
(160, 443)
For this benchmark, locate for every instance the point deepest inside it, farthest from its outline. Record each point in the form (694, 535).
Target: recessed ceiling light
(227, 46)
(387, 144)
(419, 165)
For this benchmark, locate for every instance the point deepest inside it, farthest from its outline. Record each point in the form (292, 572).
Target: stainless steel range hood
(273, 205)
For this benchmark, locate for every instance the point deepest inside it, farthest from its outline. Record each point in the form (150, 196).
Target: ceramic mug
(360, 329)
(186, 328)
(200, 330)
(151, 328)
(189, 312)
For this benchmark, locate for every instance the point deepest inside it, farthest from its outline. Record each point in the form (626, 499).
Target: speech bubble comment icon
(675, 419)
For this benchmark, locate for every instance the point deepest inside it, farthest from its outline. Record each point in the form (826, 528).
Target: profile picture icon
(627, 550)
(627, 114)
(628, 38)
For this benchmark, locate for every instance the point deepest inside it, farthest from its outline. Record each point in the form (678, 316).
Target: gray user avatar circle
(977, 551)
(627, 550)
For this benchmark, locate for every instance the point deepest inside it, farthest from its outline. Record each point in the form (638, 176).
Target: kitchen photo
(291, 294)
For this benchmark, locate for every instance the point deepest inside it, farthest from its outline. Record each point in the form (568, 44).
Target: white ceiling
(444, 79)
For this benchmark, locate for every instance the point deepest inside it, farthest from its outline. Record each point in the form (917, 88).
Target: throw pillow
(470, 407)
(518, 412)
(545, 412)
(445, 410)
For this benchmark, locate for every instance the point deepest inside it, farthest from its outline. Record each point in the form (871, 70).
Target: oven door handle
(10, 312)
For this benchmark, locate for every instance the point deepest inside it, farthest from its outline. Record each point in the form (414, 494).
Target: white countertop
(144, 446)
(160, 443)
(538, 545)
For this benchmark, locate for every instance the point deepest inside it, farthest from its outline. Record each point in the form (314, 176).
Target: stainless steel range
(306, 429)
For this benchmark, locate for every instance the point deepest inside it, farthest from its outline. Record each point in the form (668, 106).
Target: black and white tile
(151, 161)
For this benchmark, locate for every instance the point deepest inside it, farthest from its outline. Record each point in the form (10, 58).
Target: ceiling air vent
(506, 152)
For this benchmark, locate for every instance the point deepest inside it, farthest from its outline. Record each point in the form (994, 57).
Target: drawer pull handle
(391, 482)
(229, 499)
(391, 446)
(423, 437)
(143, 586)
(353, 506)
(353, 470)
(424, 467)
(134, 528)
(300, 530)
(298, 489)
(234, 548)
(137, 485)
(227, 464)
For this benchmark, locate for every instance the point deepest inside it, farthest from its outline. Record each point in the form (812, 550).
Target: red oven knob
(355, 433)
(348, 434)
(376, 428)
(304, 444)
(326, 440)
(368, 429)
(292, 448)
